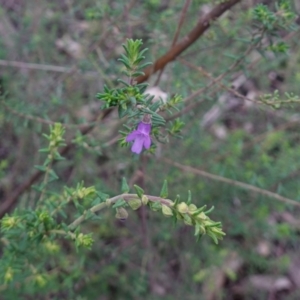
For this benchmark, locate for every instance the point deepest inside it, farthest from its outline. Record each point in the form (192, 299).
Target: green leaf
(164, 191)
(102, 196)
(155, 106)
(138, 73)
(44, 150)
(155, 206)
(142, 66)
(198, 211)
(123, 111)
(119, 203)
(38, 188)
(210, 210)
(139, 191)
(212, 235)
(177, 199)
(124, 82)
(57, 155)
(41, 168)
(124, 188)
(132, 101)
(53, 175)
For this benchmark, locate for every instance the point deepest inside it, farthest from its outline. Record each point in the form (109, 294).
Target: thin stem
(202, 25)
(113, 200)
(213, 82)
(46, 177)
(23, 65)
(175, 38)
(41, 120)
(232, 182)
(61, 205)
(62, 232)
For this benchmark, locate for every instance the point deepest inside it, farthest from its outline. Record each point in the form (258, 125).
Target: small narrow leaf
(124, 82)
(166, 210)
(139, 191)
(164, 191)
(119, 203)
(177, 199)
(53, 175)
(123, 111)
(124, 188)
(210, 210)
(199, 210)
(155, 206)
(122, 214)
(41, 168)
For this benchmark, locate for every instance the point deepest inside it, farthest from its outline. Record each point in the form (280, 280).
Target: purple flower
(141, 138)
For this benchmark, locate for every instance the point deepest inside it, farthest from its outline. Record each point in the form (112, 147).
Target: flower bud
(192, 208)
(121, 214)
(9, 275)
(202, 216)
(44, 216)
(40, 280)
(166, 210)
(84, 240)
(188, 220)
(145, 200)
(182, 207)
(8, 222)
(51, 247)
(134, 203)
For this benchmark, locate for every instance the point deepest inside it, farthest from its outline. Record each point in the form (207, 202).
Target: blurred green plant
(25, 231)
(56, 244)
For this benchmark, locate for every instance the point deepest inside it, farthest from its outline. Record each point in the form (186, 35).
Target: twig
(232, 182)
(24, 65)
(202, 25)
(182, 17)
(217, 81)
(41, 120)
(258, 138)
(213, 82)
(113, 200)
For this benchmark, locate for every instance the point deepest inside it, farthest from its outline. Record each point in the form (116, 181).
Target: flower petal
(132, 136)
(147, 142)
(144, 128)
(137, 146)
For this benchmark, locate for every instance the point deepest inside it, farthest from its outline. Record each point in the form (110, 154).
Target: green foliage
(41, 225)
(59, 238)
(275, 100)
(283, 17)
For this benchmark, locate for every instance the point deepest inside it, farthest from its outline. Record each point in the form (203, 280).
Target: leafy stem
(189, 213)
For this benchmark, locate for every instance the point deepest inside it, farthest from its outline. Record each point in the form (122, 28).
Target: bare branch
(202, 25)
(232, 182)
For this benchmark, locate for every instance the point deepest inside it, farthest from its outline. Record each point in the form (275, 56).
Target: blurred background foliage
(55, 56)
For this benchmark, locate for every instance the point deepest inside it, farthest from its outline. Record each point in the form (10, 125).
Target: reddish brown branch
(202, 25)
(175, 38)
